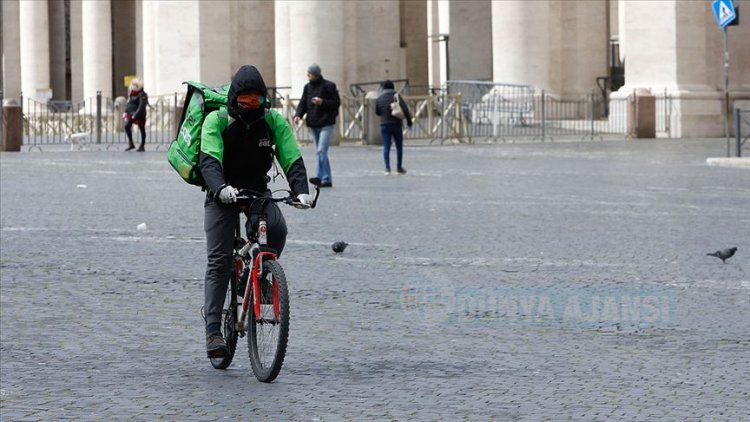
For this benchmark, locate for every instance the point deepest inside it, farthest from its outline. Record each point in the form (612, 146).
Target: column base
(686, 111)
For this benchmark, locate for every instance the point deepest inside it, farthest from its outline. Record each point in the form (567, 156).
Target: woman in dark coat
(391, 127)
(135, 113)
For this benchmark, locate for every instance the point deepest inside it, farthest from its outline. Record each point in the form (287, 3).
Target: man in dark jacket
(391, 127)
(320, 101)
(238, 145)
(135, 113)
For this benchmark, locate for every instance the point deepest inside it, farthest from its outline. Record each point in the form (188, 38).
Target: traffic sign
(724, 12)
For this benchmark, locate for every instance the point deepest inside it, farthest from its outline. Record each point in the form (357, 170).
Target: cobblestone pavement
(492, 282)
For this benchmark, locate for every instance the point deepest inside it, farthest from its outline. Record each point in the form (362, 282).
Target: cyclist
(238, 145)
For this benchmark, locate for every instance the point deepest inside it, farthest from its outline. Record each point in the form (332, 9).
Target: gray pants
(220, 223)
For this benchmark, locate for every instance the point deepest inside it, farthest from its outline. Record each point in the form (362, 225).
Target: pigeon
(724, 254)
(339, 247)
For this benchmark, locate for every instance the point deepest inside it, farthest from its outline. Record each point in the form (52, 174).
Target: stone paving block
(503, 282)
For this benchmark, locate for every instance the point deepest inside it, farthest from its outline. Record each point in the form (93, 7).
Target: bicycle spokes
(269, 327)
(276, 301)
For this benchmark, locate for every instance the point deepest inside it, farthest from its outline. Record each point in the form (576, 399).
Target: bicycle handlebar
(249, 196)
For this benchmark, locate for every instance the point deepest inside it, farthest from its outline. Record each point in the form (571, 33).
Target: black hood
(247, 79)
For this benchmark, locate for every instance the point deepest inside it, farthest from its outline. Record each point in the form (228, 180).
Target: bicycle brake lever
(315, 200)
(296, 204)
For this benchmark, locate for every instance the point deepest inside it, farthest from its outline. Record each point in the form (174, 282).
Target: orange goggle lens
(251, 101)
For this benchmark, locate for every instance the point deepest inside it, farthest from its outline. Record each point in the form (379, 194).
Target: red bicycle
(257, 301)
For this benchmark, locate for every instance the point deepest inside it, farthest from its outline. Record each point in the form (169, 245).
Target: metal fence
(742, 130)
(495, 112)
(439, 118)
(460, 111)
(2, 122)
(98, 120)
(436, 117)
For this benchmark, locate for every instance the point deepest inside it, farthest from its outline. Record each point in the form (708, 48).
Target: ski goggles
(251, 101)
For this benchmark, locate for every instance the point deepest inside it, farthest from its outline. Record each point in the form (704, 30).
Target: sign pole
(726, 90)
(725, 13)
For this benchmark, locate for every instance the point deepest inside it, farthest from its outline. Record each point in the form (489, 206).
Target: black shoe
(401, 171)
(315, 181)
(141, 149)
(325, 184)
(131, 147)
(216, 347)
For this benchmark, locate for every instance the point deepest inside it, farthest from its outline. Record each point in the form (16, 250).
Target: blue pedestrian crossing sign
(724, 12)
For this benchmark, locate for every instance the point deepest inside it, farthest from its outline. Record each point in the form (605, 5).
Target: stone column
(96, 22)
(34, 37)
(139, 38)
(739, 54)
(56, 12)
(316, 37)
(148, 45)
(438, 21)
(414, 30)
(11, 49)
(76, 51)
(253, 37)
(215, 40)
(373, 43)
(677, 63)
(184, 40)
(123, 44)
(471, 40)
(521, 51)
(583, 48)
(282, 43)
(371, 61)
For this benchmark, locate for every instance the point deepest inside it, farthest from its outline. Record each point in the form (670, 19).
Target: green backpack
(184, 152)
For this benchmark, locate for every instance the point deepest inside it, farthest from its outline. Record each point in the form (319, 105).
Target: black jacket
(136, 106)
(383, 108)
(247, 140)
(325, 113)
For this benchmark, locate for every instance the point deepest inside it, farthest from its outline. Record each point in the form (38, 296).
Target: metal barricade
(352, 118)
(96, 121)
(51, 123)
(491, 109)
(161, 117)
(2, 119)
(742, 129)
(359, 89)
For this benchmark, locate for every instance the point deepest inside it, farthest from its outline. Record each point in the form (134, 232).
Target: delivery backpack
(184, 151)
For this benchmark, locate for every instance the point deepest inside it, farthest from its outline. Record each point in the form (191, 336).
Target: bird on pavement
(339, 247)
(724, 254)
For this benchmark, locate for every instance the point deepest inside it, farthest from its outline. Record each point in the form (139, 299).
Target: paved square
(526, 281)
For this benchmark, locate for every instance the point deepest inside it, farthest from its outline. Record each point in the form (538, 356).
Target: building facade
(70, 49)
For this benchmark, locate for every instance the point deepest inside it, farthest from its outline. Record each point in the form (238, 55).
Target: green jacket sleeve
(287, 150)
(211, 141)
(287, 153)
(212, 149)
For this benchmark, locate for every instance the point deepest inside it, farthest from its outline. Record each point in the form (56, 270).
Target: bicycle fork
(254, 276)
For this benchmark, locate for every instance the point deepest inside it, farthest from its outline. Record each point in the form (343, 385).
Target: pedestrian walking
(391, 124)
(135, 113)
(320, 105)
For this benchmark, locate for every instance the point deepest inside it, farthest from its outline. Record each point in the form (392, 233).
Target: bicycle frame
(255, 250)
(254, 281)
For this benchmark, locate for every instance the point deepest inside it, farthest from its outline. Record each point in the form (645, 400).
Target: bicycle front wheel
(269, 331)
(228, 321)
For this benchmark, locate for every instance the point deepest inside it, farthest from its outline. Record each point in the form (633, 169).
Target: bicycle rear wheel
(269, 331)
(228, 320)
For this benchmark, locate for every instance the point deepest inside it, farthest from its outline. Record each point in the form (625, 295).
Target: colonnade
(668, 46)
